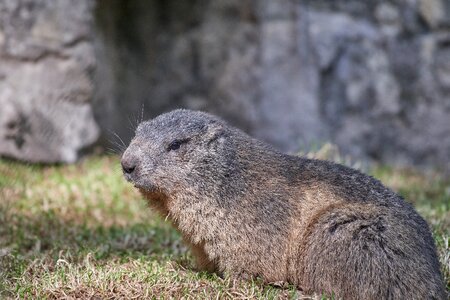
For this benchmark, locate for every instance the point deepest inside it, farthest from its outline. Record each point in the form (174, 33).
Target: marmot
(248, 210)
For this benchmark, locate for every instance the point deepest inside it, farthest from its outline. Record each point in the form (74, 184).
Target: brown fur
(248, 210)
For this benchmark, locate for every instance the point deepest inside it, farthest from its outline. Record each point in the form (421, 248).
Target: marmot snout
(247, 210)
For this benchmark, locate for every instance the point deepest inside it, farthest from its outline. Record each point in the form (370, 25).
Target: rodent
(248, 210)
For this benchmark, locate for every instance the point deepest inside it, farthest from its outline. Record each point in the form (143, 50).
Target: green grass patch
(82, 231)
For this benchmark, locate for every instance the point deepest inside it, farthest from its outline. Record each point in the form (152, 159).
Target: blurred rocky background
(372, 77)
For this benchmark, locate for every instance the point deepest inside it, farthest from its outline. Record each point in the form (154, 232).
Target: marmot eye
(174, 145)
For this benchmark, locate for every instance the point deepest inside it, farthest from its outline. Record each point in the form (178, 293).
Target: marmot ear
(214, 133)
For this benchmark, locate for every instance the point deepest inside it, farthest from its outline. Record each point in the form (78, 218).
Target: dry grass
(81, 231)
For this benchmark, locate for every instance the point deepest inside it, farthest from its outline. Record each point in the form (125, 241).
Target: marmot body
(248, 210)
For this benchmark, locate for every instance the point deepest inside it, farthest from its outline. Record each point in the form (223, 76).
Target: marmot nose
(128, 165)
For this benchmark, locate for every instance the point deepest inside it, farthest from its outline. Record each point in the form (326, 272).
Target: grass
(81, 231)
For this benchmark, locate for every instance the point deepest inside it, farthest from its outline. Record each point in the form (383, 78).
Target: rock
(46, 90)
(388, 17)
(371, 76)
(295, 74)
(433, 11)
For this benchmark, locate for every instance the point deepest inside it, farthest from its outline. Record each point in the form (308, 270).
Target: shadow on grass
(46, 238)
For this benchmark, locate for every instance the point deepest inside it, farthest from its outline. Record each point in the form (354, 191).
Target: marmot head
(175, 151)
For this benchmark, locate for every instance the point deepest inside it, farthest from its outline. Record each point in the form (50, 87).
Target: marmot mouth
(146, 187)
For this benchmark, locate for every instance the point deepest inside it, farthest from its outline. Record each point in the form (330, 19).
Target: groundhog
(247, 210)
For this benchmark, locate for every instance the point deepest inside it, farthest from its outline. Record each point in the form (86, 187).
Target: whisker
(117, 151)
(119, 147)
(110, 150)
(132, 126)
(142, 113)
(119, 138)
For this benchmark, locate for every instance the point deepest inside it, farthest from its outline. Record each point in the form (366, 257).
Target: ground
(81, 231)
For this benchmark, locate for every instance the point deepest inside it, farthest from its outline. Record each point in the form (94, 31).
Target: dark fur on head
(248, 210)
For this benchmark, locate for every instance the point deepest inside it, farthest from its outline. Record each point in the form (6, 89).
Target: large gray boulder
(46, 58)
